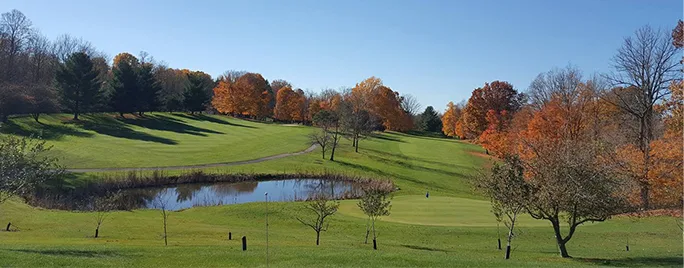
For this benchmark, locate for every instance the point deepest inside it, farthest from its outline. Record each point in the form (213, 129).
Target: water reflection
(191, 195)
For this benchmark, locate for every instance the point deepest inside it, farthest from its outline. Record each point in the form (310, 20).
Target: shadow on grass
(202, 117)
(424, 248)
(110, 126)
(44, 131)
(404, 157)
(414, 167)
(385, 137)
(167, 123)
(386, 174)
(637, 262)
(69, 252)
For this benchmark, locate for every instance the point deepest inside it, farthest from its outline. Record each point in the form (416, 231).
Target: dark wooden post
(244, 243)
(230, 236)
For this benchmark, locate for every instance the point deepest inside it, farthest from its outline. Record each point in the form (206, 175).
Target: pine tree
(149, 90)
(430, 120)
(78, 84)
(197, 93)
(125, 84)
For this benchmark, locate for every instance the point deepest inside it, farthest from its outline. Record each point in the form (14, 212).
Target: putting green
(440, 211)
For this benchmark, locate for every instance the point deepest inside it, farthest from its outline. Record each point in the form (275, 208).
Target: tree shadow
(385, 137)
(636, 261)
(70, 252)
(412, 166)
(404, 157)
(166, 123)
(203, 117)
(424, 248)
(109, 126)
(44, 131)
(385, 174)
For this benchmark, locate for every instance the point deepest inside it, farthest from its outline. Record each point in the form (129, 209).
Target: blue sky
(435, 50)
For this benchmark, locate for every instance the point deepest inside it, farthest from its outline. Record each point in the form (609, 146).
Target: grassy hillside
(451, 228)
(158, 139)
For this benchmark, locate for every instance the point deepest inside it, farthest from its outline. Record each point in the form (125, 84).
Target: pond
(199, 194)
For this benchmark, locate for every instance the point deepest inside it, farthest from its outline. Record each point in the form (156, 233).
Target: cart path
(224, 164)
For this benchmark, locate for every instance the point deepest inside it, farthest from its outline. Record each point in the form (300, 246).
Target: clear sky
(435, 50)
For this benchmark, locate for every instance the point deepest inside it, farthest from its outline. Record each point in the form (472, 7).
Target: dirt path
(224, 164)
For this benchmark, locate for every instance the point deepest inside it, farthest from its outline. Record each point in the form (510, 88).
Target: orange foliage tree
(498, 96)
(450, 119)
(248, 95)
(290, 105)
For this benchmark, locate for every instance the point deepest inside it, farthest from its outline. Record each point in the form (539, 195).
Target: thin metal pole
(266, 194)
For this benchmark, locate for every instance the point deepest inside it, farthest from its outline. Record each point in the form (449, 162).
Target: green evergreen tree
(198, 92)
(149, 88)
(125, 85)
(78, 84)
(430, 121)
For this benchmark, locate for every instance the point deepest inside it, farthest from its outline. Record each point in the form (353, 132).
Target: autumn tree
(197, 93)
(289, 105)
(247, 95)
(568, 167)
(125, 84)
(450, 119)
(322, 208)
(643, 69)
(497, 96)
(78, 83)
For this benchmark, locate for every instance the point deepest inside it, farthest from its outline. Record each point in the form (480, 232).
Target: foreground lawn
(451, 228)
(158, 139)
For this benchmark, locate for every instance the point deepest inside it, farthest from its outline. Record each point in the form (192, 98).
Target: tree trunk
(559, 239)
(332, 153)
(8, 226)
(97, 232)
(318, 237)
(323, 151)
(375, 244)
(356, 144)
(35, 117)
(367, 231)
(75, 116)
(644, 196)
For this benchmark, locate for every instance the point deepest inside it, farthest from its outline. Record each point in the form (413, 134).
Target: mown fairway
(451, 228)
(158, 139)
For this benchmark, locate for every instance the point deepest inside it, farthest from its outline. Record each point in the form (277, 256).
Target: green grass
(158, 139)
(451, 228)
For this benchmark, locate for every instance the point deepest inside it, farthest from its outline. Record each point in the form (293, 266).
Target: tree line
(581, 149)
(70, 75)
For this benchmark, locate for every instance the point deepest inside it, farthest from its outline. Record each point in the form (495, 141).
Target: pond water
(191, 195)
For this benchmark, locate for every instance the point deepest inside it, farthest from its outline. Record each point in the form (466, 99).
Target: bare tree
(15, 33)
(161, 202)
(374, 203)
(103, 206)
(562, 82)
(322, 138)
(644, 67)
(508, 192)
(322, 207)
(410, 104)
(329, 123)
